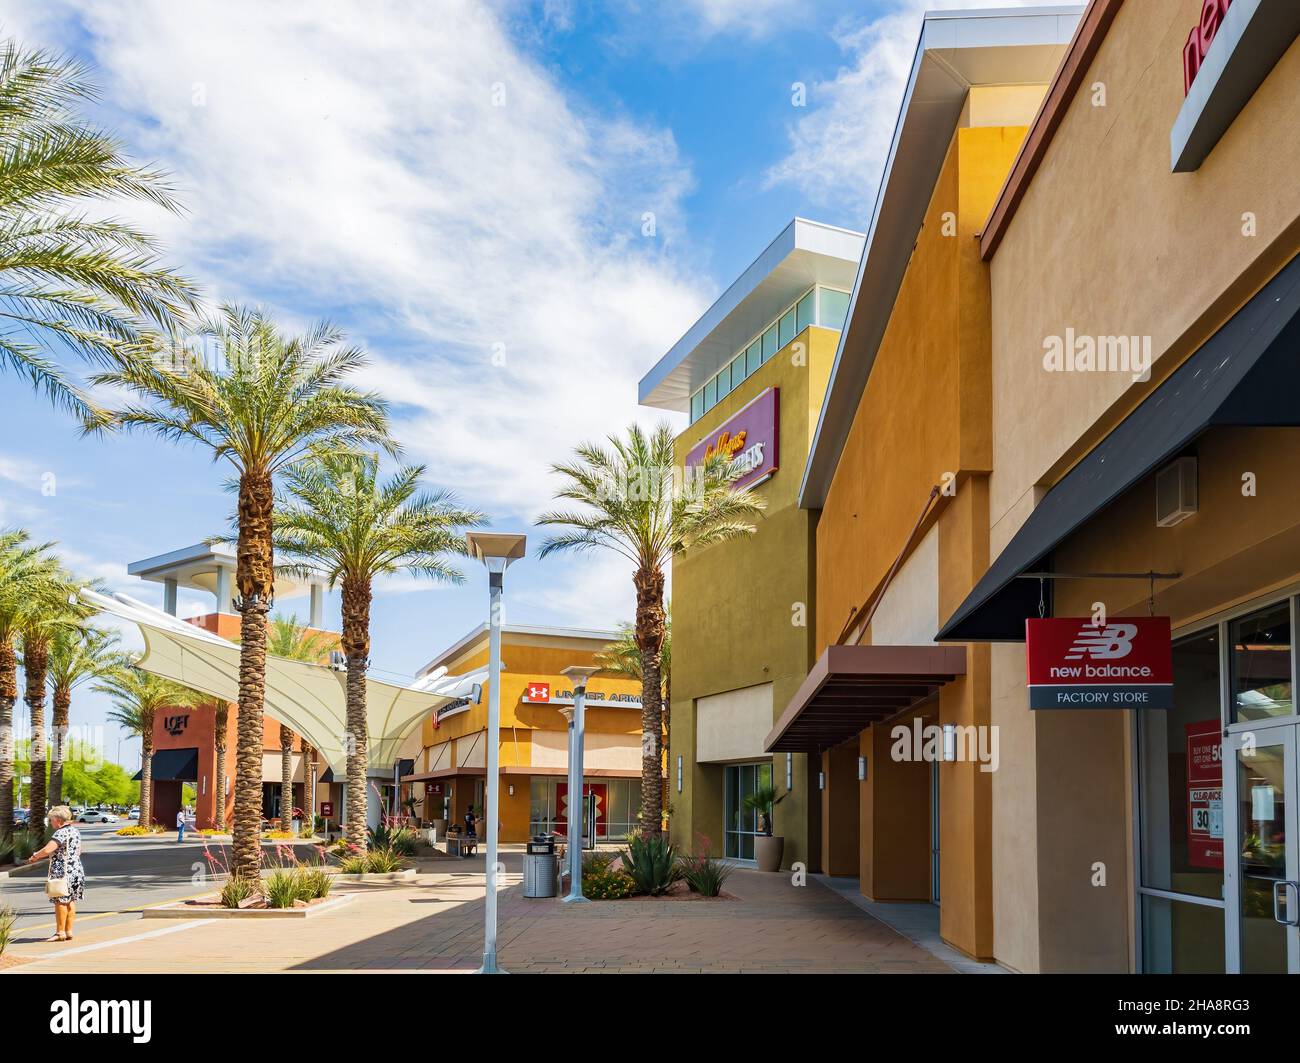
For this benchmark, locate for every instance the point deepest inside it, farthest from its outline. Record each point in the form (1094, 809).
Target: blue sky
(461, 186)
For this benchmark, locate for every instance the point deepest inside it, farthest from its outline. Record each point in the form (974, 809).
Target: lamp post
(496, 550)
(578, 675)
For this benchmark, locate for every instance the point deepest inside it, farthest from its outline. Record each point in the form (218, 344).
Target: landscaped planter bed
(210, 907)
(405, 875)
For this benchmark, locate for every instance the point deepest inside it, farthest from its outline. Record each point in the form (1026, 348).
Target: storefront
(449, 753)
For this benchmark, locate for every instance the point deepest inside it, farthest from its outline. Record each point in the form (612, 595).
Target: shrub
(6, 851)
(704, 873)
(355, 864)
(314, 883)
(282, 887)
(131, 832)
(238, 890)
(383, 861)
(8, 917)
(652, 865)
(278, 835)
(400, 840)
(599, 883)
(25, 842)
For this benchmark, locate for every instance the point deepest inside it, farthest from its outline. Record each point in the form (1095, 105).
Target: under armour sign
(1076, 663)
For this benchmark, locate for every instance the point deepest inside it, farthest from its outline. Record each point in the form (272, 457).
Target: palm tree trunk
(8, 697)
(356, 648)
(221, 722)
(649, 584)
(309, 787)
(36, 657)
(286, 778)
(255, 579)
(62, 705)
(146, 772)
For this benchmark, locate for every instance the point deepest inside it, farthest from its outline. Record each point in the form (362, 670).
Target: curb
(191, 912)
(405, 875)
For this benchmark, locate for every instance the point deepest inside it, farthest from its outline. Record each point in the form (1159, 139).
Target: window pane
(1262, 799)
(753, 357)
(787, 332)
(1180, 777)
(804, 315)
(711, 394)
(770, 346)
(1181, 938)
(697, 405)
(832, 307)
(737, 372)
(1261, 664)
(724, 383)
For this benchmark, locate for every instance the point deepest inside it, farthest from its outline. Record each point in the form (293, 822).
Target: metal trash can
(539, 867)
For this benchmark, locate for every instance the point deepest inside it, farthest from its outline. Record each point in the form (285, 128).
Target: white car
(94, 815)
(134, 813)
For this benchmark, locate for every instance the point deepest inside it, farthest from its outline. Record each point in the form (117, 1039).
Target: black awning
(1247, 374)
(174, 765)
(327, 777)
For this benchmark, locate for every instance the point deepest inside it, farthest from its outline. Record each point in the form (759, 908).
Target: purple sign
(748, 436)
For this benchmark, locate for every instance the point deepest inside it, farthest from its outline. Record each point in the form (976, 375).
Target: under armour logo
(1104, 643)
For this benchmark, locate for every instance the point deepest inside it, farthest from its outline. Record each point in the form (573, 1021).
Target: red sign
(562, 806)
(748, 436)
(1074, 663)
(537, 692)
(1200, 39)
(1205, 795)
(326, 809)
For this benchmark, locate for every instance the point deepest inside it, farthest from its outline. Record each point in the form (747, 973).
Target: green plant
(314, 883)
(652, 864)
(763, 801)
(400, 840)
(599, 883)
(238, 890)
(8, 917)
(25, 842)
(704, 873)
(6, 851)
(355, 864)
(283, 886)
(383, 861)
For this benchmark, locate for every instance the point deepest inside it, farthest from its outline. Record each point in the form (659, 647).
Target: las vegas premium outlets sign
(748, 436)
(1075, 663)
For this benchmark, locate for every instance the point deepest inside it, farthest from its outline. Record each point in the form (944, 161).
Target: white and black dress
(67, 861)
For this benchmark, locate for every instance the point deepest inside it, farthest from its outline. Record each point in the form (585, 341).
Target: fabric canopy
(173, 765)
(310, 698)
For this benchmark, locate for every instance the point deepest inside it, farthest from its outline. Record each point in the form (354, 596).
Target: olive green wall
(743, 611)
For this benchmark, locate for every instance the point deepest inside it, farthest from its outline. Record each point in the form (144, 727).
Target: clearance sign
(1074, 663)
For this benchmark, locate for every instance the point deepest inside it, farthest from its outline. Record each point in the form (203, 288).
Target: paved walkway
(436, 924)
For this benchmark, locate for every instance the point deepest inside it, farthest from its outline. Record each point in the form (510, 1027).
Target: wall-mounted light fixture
(789, 771)
(679, 773)
(511, 788)
(821, 780)
(949, 741)
(862, 769)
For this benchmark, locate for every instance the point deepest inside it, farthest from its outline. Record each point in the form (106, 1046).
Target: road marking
(121, 941)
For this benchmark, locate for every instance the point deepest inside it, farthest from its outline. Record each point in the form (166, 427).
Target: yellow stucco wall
(743, 610)
(1110, 242)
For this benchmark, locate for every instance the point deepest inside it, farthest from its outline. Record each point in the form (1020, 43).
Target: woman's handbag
(57, 888)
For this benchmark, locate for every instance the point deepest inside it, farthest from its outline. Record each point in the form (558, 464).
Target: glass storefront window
(620, 803)
(1179, 937)
(1180, 778)
(1262, 798)
(1261, 664)
(741, 822)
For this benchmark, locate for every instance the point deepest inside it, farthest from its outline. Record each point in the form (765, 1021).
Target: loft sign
(1076, 663)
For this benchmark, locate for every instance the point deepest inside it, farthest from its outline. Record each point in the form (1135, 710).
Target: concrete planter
(768, 851)
(190, 911)
(405, 875)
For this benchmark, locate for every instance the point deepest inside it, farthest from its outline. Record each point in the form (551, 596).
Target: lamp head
(578, 674)
(495, 546)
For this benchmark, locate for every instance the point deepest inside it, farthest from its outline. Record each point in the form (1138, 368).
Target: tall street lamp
(578, 676)
(496, 550)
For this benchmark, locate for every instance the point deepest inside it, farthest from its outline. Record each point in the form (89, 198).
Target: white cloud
(837, 148)
(752, 18)
(342, 160)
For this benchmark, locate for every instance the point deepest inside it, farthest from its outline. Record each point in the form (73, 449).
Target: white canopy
(310, 698)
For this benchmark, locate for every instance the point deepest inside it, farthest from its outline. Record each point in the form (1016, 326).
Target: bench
(461, 844)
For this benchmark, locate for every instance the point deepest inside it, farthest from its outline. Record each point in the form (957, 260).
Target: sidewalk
(436, 924)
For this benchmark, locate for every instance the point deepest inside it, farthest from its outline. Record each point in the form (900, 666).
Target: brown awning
(852, 686)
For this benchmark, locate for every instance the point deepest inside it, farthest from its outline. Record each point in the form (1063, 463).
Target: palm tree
(623, 657)
(30, 583)
(335, 517)
(266, 401)
(297, 642)
(77, 653)
(38, 631)
(635, 506)
(70, 282)
(137, 696)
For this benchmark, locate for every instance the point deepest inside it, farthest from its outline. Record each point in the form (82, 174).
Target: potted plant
(768, 850)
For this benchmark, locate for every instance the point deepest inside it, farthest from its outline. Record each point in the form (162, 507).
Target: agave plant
(651, 862)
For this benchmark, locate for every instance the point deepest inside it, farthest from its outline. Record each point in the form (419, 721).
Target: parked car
(94, 815)
(21, 816)
(134, 813)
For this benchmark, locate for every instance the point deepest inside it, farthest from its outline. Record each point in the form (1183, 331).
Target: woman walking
(66, 882)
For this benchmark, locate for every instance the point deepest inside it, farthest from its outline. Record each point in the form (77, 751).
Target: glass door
(1262, 869)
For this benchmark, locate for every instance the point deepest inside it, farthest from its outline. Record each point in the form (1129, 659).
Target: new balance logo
(1103, 643)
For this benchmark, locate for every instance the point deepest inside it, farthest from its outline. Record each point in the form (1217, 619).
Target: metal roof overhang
(957, 51)
(1246, 375)
(852, 686)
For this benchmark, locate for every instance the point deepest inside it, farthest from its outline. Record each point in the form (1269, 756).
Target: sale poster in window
(1204, 795)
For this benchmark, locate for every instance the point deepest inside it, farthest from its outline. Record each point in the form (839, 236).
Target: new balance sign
(1125, 663)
